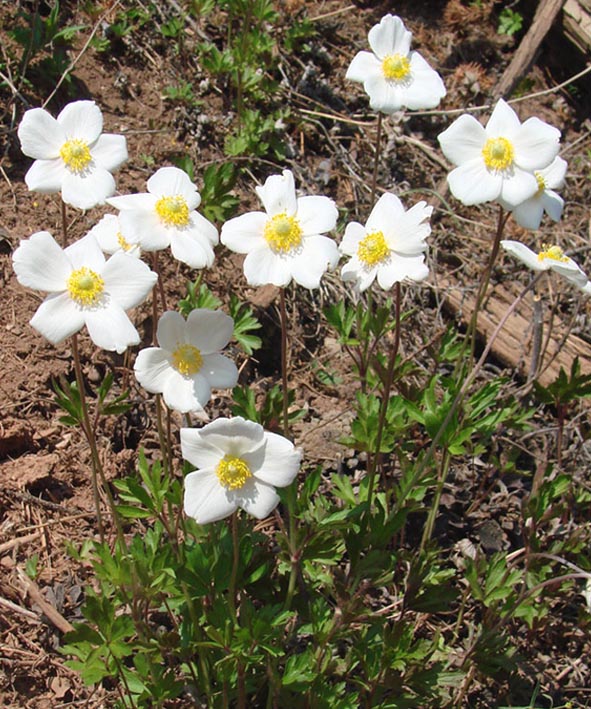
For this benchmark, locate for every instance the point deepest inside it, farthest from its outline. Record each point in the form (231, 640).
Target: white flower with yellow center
(187, 363)
(72, 154)
(166, 215)
(497, 162)
(390, 247)
(393, 76)
(287, 241)
(529, 214)
(110, 238)
(239, 465)
(550, 258)
(84, 288)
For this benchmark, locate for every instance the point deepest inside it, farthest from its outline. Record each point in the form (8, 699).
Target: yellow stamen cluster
(540, 180)
(123, 243)
(187, 360)
(373, 249)
(173, 211)
(232, 472)
(555, 253)
(85, 286)
(76, 154)
(498, 153)
(283, 233)
(396, 67)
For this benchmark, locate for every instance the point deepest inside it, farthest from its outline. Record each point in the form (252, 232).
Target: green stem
(374, 179)
(235, 562)
(428, 531)
(64, 224)
(284, 363)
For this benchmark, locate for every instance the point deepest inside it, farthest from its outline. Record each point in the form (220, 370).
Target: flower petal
(88, 189)
(172, 182)
(354, 233)
(106, 232)
(41, 264)
(472, 183)
(408, 233)
(171, 331)
(128, 280)
(186, 394)
(401, 268)
(555, 173)
(208, 330)
(144, 228)
(256, 498)
(553, 204)
(427, 88)
(529, 214)
(191, 247)
(519, 187)
(219, 371)
(205, 500)
(152, 369)
(262, 266)
(57, 317)
(385, 96)
(110, 151)
(201, 452)
(45, 176)
(40, 135)
(463, 140)
(110, 328)
(280, 462)
(536, 144)
(319, 254)
(386, 211)
(390, 36)
(234, 436)
(364, 65)
(82, 120)
(503, 122)
(525, 255)
(244, 233)
(86, 252)
(316, 215)
(278, 194)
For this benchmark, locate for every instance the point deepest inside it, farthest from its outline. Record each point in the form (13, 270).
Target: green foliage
(269, 413)
(67, 398)
(566, 388)
(510, 21)
(218, 182)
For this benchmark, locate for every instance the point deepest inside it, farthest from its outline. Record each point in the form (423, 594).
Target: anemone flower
(187, 363)
(498, 161)
(551, 258)
(390, 247)
(72, 154)
(393, 76)
(239, 465)
(166, 215)
(84, 289)
(287, 240)
(109, 237)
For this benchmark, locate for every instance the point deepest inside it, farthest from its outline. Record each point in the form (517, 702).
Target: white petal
(86, 190)
(529, 214)
(110, 151)
(144, 228)
(385, 96)
(504, 122)
(569, 270)
(316, 215)
(256, 498)
(354, 233)
(191, 247)
(408, 233)
(219, 371)
(86, 252)
(278, 194)
(401, 268)
(137, 202)
(363, 277)
(106, 232)
(41, 264)
(463, 140)
(57, 317)
(386, 211)
(205, 228)
(555, 173)
(390, 36)
(536, 144)
(364, 65)
(110, 328)
(525, 255)
(82, 120)
(553, 204)
(152, 369)
(128, 280)
(262, 266)
(472, 183)
(280, 461)
(319, 254)
(519, 187)
(426, 89)
(198, 451)
(235, 436)
(40, 135)
(171, 330)
(244, 233)
(172, 181)
(45, 176)
(186, 394)
(205, 500)
(208, 330)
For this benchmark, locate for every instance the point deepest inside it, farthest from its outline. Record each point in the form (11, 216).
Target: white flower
(529, 214)
(187, 363)
(109, 237)
(166, 215)
(72, 154)
(287, 241)
(498, 161)
(392, 75)
(239, 464)
(84, 289)
(551, 258)
(390, 246)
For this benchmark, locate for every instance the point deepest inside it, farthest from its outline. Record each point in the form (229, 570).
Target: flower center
(396, 67)
(187, 360)
(540, 180)
(173, 211)
(232, 472)
(283, 233)
(76, 154)
(123, 243)
(373, 249)
(85, 286)
(498, 153)
(555, 253)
